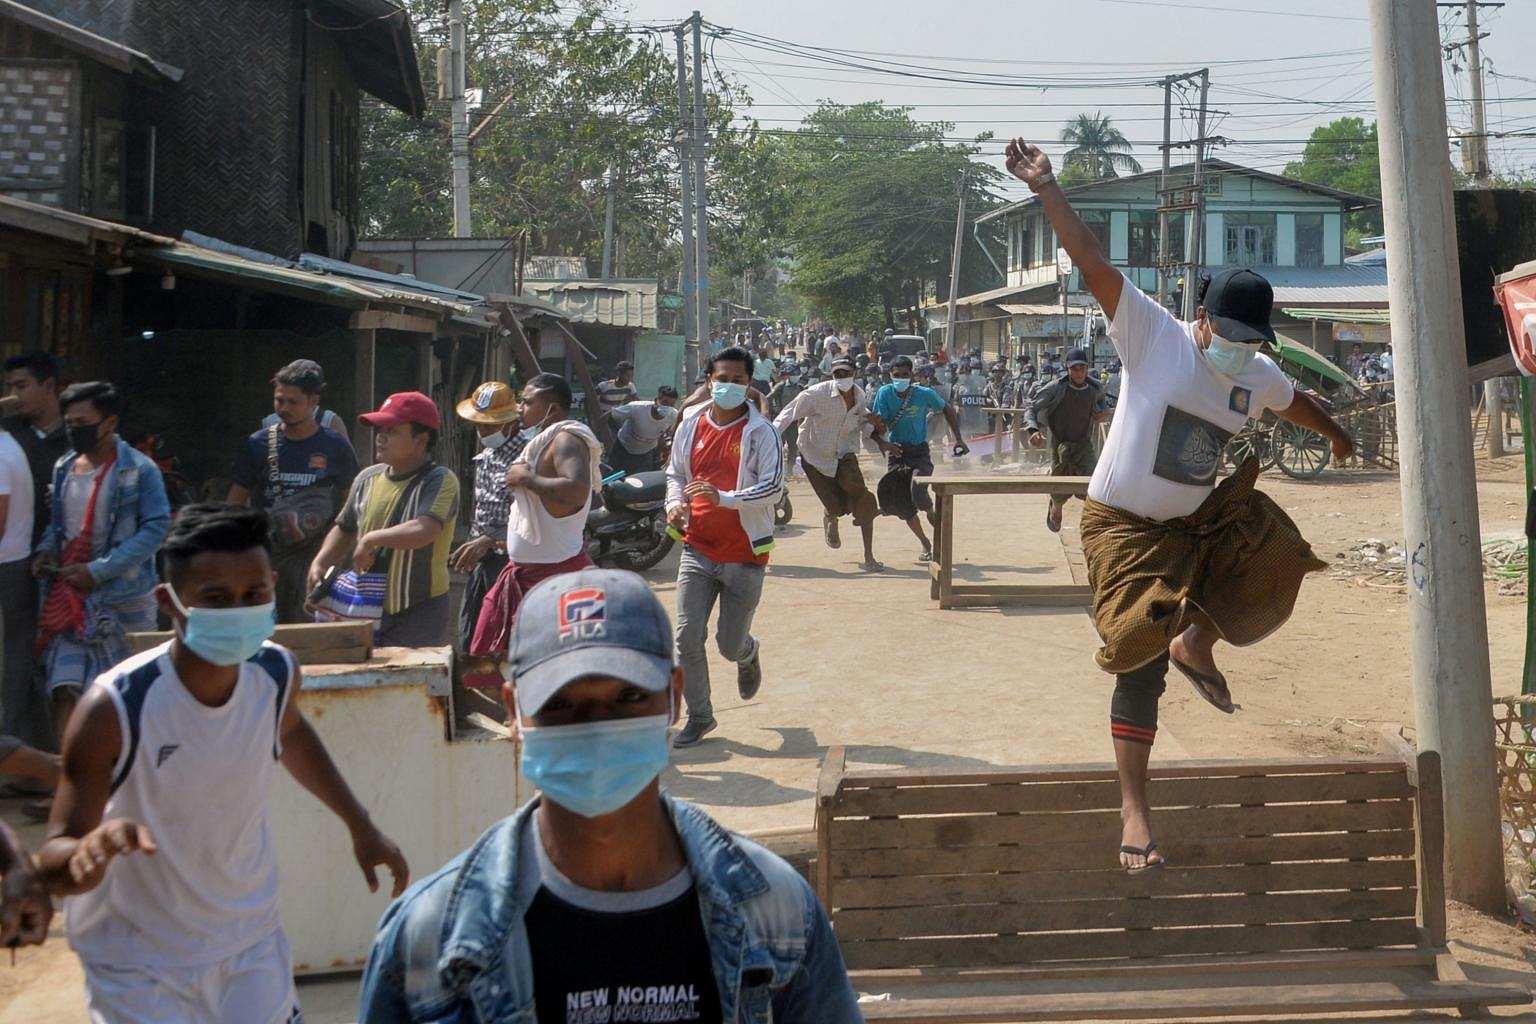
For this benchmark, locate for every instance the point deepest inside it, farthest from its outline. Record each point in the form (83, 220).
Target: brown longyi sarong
(1234, 565)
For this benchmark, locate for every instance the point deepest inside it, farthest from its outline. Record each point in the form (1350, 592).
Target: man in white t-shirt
(1175, 562)
(24, 725)
(641, 426)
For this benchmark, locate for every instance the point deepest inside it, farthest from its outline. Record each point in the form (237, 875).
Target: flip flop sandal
(829, 531)
(1146, 852)
(872, 566)
(926, 556)
(1053, 519)
(1212, 688)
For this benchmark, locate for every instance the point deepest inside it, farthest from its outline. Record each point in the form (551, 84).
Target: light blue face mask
(728, 396)
(901, 383)
(225, 636)
(595, 768)
(1229, 357)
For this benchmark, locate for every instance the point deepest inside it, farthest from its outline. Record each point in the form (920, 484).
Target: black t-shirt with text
(597, 967)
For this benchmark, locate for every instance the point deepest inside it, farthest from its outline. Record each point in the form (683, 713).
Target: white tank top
(546, 539)
(197, 777)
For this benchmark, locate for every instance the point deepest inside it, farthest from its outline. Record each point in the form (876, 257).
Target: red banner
(1518, 300)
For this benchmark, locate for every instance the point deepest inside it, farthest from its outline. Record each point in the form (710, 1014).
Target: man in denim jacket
(110, 587)
(605, 900)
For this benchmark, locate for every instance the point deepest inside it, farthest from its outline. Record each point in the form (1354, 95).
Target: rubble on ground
(1378, 563)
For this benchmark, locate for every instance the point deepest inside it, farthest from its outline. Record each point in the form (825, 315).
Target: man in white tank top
(551, 485)
(168, 761)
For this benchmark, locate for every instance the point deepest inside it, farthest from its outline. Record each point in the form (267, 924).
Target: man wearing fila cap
(493, 411)
(1176, 562)
(604, 891)
(399, 519)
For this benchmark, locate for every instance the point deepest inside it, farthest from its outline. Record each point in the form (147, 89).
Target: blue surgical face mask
(1229, 357)
(595, 768)
(728, 396)
(225, 636)
(901, 383)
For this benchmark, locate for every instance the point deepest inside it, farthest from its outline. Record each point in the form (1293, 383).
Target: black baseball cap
(1239, 303)
(1079, 357)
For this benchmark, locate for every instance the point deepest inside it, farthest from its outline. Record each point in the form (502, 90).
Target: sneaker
(695, 730)
(749, 674)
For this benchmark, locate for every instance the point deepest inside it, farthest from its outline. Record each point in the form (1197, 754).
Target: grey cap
(595, 622)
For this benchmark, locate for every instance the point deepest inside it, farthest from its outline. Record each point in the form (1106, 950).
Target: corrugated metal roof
(993, 297)
(1347, 285)
(1039, 309)
(610, 303)
(1341, 316)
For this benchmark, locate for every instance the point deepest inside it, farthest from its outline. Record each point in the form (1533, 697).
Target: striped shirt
(414, 576)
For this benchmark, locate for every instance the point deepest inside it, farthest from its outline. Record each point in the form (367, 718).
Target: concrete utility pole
(954, 265)
(700, 177)
(691, 335)
(461, 225)
(613, 191)
(1479, 140)
(1197, 229)
(1162, 194)
(1446, 615)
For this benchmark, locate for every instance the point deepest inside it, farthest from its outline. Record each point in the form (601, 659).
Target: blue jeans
(701, 581)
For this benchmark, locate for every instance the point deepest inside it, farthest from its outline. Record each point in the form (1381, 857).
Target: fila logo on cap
(483, 397)
(582, 614)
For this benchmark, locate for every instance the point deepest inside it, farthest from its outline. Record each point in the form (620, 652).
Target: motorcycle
(627, 523)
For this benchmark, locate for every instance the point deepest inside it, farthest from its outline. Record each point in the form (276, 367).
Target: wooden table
(941, 570)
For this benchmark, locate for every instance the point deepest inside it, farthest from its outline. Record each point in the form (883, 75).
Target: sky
(1279, 68)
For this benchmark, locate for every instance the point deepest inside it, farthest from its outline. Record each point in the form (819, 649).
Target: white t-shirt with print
(1175, 413)
(15, 485)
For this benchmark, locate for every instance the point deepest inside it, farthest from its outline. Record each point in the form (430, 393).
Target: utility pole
(1447, 619)
(613, 190)
(954, 264)
(700, 173)
(460, 146)
(1479, 140)
(1162, 194)
(1197, 229)
(691, 336)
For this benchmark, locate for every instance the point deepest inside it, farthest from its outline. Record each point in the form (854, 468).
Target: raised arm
(1029, 164)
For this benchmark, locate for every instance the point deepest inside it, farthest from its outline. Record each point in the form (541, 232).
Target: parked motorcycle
(627, 523)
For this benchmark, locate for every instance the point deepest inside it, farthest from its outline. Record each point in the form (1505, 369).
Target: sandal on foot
(829, 530)
(1143, 852)
(870, 565)
(926, 556)
(1053, 518)
(1212, 688)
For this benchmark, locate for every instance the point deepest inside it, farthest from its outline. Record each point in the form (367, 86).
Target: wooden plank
(1091, 772)
(1031, 484)
(1156, 913)
(1113, 883)
(1010, 950)
(1431, 832)
(832, 767)
(363, 385)
(1076, 856)
(1232, 1001)
(1056, 827)
(1128, 972)
(378, 320)
(1023, 597)
(312, 643)
(1105, 794)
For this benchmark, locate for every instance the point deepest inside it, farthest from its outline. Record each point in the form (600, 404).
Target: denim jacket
(453, 949)
(122, 562)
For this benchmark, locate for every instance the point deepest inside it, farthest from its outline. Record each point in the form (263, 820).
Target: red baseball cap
(405, 407)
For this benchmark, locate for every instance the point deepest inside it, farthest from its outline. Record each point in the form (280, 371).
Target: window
(1309, 240)
(1143, 251)
(1250, 239)
(121, 158)
(1098, 223)
(1027, 241)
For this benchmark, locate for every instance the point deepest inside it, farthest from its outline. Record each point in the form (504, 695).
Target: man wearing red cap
(399, 519)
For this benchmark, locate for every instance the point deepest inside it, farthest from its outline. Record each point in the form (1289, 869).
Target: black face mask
(83, 436)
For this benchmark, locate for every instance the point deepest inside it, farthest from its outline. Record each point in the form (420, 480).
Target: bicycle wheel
(1299, 452)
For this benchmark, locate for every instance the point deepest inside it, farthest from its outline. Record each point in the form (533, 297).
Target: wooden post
(424, 366)
(595, 418)
(362, 389)
(522, 348)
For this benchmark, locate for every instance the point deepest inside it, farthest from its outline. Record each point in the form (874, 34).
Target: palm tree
(1099, 150)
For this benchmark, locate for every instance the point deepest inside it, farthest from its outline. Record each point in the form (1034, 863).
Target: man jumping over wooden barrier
(1175, 562)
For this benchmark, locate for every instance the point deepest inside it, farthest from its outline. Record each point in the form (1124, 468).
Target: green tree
(1343, 154)
(566, 91)
(872, 218)
(1099, 149)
